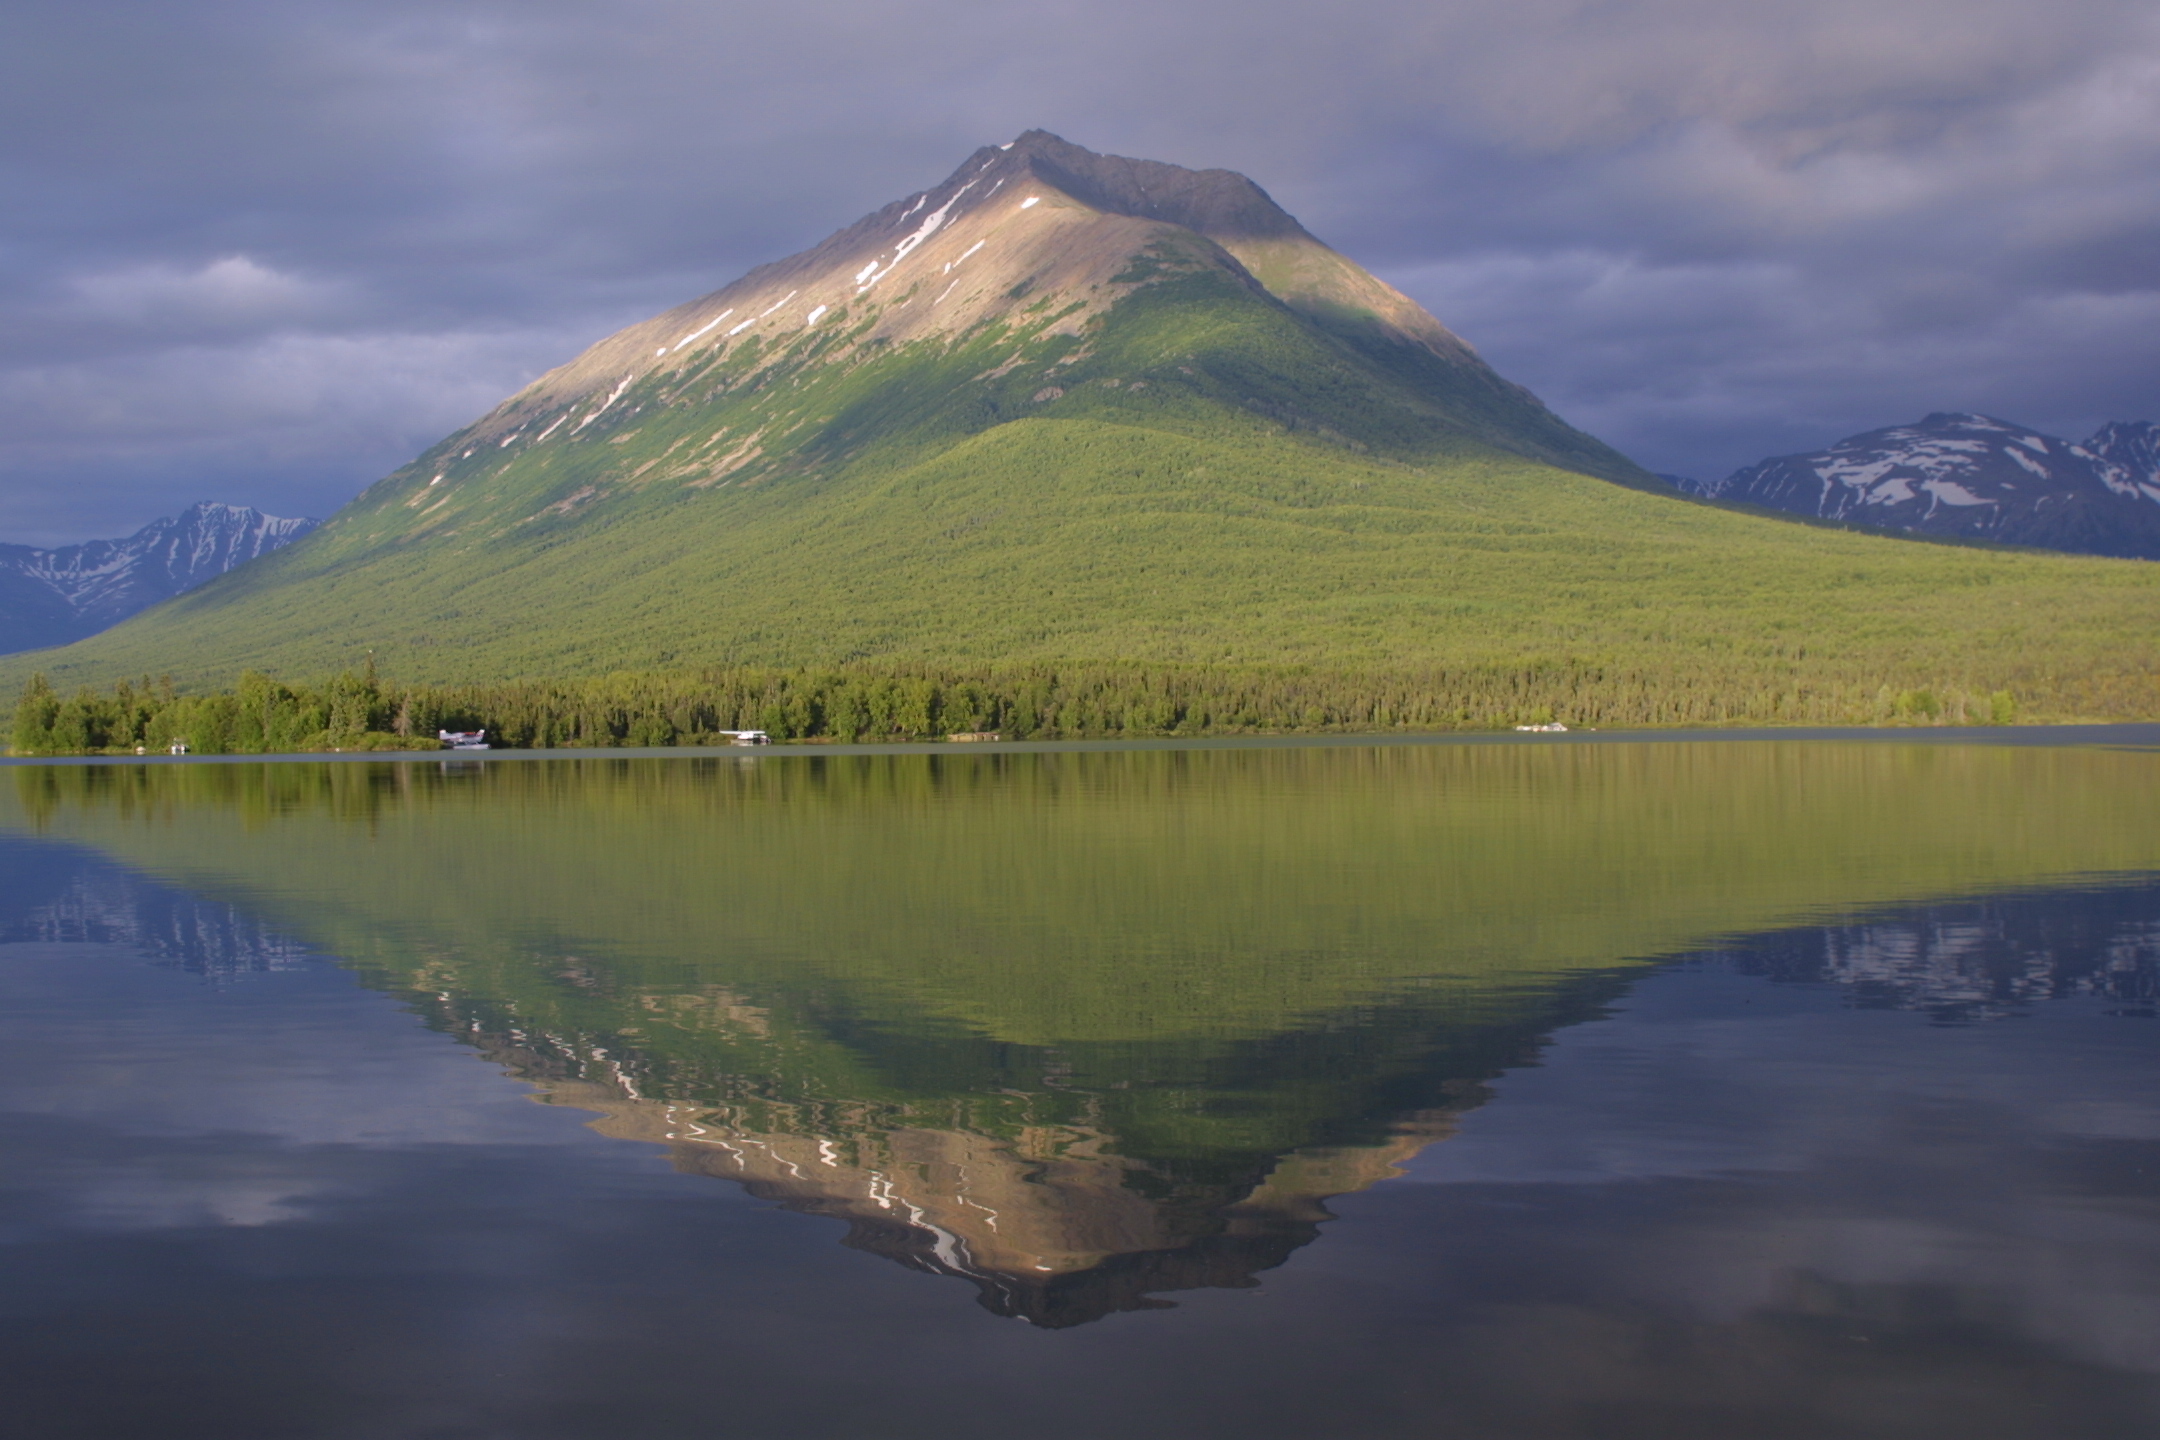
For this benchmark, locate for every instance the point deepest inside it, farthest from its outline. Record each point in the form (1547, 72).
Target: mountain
(50, 597)
(1974, 477)
(1068, 407)
(1032, 245)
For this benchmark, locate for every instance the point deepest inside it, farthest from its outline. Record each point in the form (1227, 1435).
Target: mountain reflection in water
(1061, 1206)
(1086, 1029)
(1062, 1223)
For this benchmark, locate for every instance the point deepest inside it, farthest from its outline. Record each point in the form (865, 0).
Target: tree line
(360, 710)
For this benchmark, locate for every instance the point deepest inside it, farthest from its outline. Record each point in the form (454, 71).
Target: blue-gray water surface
(1800, 1090)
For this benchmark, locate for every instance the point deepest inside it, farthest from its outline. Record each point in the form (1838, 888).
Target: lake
(1716, 1088)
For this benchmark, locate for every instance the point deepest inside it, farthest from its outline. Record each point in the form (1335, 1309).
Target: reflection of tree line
(1049, 898)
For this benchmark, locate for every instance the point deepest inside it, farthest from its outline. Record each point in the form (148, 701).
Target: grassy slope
(1272, 492)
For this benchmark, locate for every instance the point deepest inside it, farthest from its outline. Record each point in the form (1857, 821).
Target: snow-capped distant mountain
(1974, 477)
(54, 597)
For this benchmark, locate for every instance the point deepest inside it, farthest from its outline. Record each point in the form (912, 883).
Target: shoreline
(2136, 734)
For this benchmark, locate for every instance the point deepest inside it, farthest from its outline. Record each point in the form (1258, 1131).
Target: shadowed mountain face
(52, 597)
(1083, 1030)
(1973, 477)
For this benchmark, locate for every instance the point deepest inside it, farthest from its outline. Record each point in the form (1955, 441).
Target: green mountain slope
(1073, 407)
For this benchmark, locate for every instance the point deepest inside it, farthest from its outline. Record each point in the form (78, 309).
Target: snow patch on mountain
(932, 223)
(1949, 492)
(705, 327)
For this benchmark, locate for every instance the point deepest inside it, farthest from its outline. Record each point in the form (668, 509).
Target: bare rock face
(1974, 477)
(54, 597)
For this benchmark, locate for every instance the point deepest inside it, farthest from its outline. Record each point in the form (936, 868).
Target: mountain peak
(1220, 204)
(1955, 473)
(1014, 224)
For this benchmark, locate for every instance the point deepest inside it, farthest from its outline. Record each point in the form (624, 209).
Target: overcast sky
(264, 251)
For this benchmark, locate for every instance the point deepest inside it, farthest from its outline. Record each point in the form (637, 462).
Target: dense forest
(361, 710)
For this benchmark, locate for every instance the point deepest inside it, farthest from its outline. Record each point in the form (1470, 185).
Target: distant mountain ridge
(1973, 477)
(53, 597)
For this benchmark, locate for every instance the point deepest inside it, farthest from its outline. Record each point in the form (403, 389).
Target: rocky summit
(1037, 241)
(1973, 477)
(50, 597)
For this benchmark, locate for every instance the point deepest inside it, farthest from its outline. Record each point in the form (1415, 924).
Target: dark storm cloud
(264, 252)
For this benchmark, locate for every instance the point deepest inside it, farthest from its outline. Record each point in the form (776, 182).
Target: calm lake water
(1765, 1089)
